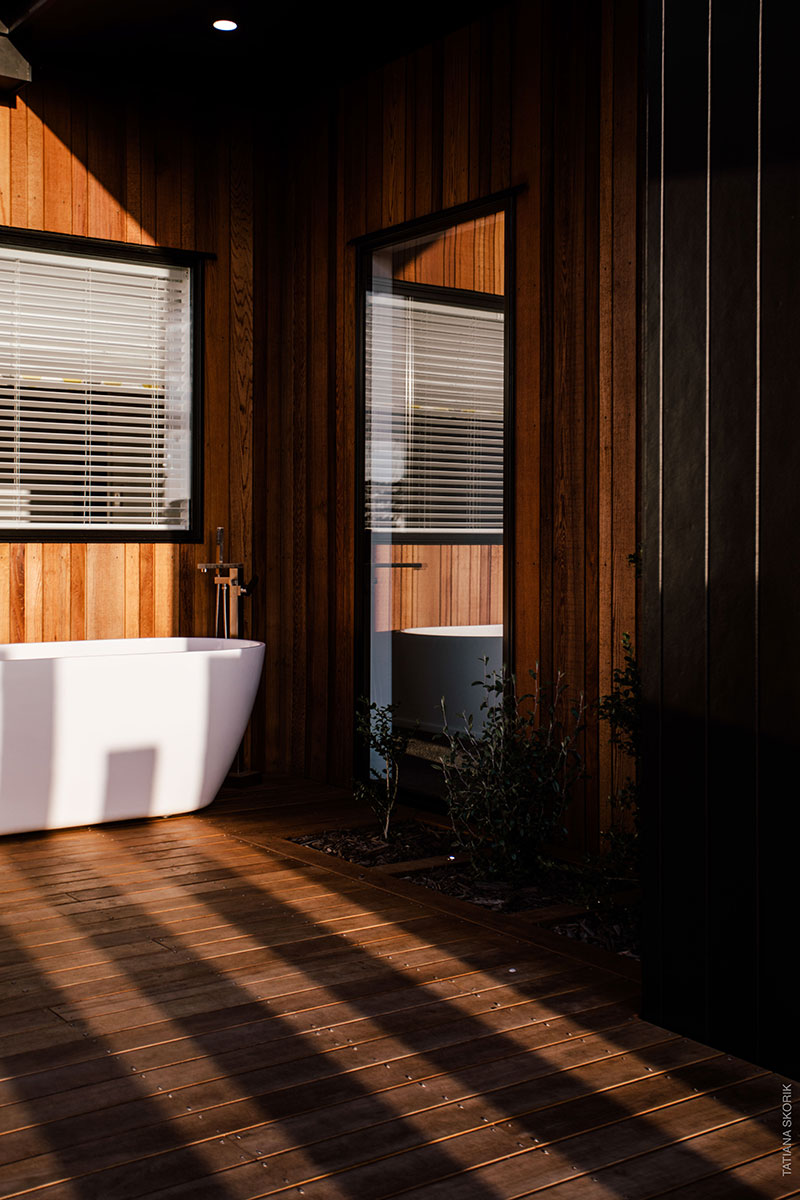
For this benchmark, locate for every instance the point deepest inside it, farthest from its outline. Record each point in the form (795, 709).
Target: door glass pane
(433, 457)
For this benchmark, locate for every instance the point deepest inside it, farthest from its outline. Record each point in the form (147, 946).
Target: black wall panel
(721, 594)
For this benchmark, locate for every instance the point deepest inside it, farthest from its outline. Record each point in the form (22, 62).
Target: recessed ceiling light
(225, 26)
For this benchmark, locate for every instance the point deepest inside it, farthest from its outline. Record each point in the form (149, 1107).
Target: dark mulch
(615, 929)
(553, 885)
(408, 841)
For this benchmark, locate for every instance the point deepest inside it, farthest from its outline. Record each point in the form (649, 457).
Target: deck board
(196, 1008)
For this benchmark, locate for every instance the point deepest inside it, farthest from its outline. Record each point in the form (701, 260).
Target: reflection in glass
(434, 454)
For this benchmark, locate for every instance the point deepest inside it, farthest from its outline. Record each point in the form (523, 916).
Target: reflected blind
(434, 397)
(95, 393)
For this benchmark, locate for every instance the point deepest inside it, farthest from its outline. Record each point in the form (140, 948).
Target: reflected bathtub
(110, 730)
(434, 661)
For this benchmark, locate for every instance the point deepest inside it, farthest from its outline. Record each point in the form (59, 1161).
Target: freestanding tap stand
(227, 577)
(229, 589)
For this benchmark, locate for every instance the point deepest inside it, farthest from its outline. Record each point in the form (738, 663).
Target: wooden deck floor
(195, 1008)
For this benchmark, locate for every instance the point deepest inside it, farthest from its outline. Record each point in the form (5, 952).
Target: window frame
(74, 246)
(363, 247)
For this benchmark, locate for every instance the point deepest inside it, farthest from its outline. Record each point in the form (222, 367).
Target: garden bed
(430, 857)
(408, 841)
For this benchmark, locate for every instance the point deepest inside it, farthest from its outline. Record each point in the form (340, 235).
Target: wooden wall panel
(57, 596)
(5, 165)
(77, 581)
(34, 614)
(57, 159)
(153, 170)
(538, 95)
(17, 593)
(105, 590)
(470, 256)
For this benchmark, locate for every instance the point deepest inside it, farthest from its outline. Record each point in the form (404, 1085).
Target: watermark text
(786, 1129)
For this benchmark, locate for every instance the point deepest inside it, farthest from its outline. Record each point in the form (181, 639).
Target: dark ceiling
(278, 48)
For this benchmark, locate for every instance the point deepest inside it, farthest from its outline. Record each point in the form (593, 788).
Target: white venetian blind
(95, 393)
(434, 416)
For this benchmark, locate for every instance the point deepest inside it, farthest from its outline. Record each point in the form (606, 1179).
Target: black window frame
(75, 246)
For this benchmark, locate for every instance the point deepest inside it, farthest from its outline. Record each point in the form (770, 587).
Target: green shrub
(622, 709)
(507, 786)
(375, 727)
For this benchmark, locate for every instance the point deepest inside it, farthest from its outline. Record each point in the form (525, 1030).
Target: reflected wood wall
(460, 585)
(541, 95)
(456, 585)
(152, 170)
(470, 257)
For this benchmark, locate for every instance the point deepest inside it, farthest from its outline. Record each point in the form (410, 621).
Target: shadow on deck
(193, 1007)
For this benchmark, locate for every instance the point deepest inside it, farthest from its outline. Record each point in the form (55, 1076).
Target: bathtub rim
(122, 648)
(454, 631)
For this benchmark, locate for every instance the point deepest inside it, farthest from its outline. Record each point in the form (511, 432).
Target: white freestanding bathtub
(108, 730)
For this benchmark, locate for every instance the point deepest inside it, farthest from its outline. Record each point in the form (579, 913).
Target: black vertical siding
(683, 466)
(778, 616)
(731, 642)
(721, 595)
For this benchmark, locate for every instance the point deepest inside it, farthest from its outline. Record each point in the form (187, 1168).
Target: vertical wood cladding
(459, 585)
(538, 95)
(721, 514)
(153, 171)
(469, 256)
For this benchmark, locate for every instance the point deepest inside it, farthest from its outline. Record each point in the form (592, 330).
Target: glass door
(433, 454)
